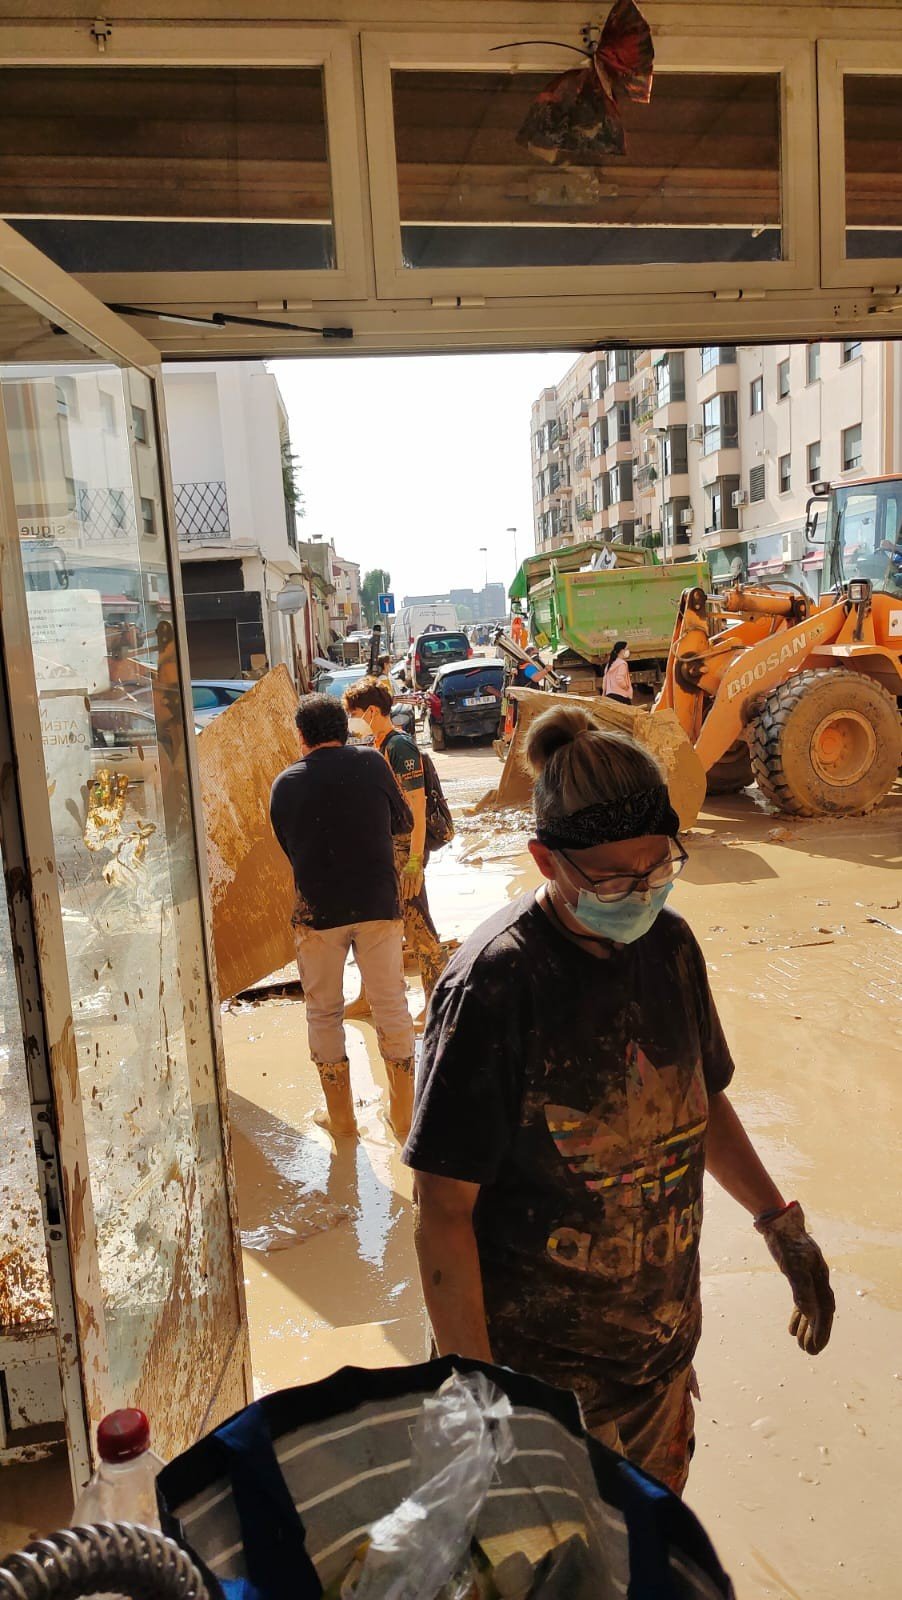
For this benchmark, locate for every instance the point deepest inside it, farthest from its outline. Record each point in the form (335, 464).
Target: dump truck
(577, 614)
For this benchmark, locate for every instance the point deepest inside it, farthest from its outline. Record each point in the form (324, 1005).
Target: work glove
(412, 877)
(800, 1260)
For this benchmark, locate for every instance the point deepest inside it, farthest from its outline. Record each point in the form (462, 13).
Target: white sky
(413, 462)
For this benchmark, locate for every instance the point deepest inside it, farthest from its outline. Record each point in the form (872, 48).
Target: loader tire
(826, 743)
(733, 771)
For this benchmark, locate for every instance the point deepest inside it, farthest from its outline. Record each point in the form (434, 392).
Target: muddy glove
(412, 878)
(800, 1260)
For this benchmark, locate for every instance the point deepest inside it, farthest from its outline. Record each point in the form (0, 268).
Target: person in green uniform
(369, 703)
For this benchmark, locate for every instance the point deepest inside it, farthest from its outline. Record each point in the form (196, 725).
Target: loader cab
(862, 535)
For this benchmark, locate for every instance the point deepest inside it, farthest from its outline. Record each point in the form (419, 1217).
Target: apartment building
(238, 550)
(346, 612)
(711, 451)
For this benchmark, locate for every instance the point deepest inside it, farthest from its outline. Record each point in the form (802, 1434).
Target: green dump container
(585, 612)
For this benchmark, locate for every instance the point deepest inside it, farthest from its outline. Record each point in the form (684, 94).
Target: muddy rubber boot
(338, 1117)
(400, 1097)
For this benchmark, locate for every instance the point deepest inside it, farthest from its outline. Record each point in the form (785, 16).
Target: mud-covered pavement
(796, 1476)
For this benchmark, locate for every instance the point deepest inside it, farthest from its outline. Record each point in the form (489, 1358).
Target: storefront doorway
(126, 1287)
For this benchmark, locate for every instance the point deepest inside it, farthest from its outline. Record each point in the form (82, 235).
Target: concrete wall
(195, 430)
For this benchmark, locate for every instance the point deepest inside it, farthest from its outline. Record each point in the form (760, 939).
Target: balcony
(717, 355)
(618, 450)
(676, 485)
(671, 409)
(717, 380)
(201, 510)
(719, 538)
(720, 462)
(613, 392)
(645, 478)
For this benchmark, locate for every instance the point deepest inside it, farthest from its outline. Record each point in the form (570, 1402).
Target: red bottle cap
(123, 1435)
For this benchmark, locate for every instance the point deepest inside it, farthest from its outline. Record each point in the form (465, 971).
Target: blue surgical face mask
(621, 921)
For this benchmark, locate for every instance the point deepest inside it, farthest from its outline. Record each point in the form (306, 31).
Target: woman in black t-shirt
(572, 1094)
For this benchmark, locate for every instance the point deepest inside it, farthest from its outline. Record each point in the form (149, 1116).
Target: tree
(374, 583)
(291, 489)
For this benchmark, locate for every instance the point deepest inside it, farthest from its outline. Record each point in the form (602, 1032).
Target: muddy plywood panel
(659, 732)
(239, 754)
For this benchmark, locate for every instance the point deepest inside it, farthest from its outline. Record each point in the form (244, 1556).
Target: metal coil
(110, 1558)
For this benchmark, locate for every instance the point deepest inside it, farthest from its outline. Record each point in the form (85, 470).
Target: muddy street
(801, 924)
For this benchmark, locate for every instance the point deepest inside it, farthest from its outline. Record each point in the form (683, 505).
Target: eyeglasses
(613, 886)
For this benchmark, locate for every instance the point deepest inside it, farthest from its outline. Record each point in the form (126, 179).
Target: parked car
(465, 701)
(336, 681)
(212, 695)
(124, 740)
(433, 650)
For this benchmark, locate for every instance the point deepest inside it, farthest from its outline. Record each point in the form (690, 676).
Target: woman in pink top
(616, 683)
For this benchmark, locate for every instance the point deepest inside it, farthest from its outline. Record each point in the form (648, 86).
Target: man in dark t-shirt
(335, 813)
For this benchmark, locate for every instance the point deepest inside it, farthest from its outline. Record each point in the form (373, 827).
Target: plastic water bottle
(123, 1488)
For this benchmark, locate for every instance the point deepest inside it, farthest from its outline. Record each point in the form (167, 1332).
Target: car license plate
(480, 700)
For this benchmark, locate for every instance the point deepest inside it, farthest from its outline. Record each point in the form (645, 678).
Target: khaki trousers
(378, 948)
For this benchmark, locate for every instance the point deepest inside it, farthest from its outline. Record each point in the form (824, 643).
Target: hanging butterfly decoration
(577, 115)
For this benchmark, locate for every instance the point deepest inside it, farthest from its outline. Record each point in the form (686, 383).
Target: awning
(811, 562)
(764, 569)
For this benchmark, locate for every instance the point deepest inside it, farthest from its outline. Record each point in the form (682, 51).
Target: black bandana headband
(629, 817)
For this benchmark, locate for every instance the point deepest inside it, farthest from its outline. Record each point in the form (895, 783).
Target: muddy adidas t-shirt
(574, 1091)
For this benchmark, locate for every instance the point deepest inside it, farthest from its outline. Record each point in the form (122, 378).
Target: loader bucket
(661, 734)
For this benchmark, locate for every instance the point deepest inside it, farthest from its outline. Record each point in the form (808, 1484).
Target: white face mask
(358, 727)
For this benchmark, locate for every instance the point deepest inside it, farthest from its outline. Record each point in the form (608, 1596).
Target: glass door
(92, 633)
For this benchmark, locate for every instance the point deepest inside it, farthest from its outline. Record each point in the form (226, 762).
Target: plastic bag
(423, 1546)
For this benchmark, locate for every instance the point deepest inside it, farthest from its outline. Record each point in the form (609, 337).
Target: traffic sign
(386, 605)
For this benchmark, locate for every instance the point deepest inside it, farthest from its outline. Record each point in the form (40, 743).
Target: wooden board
(659, 732)
(240, 753)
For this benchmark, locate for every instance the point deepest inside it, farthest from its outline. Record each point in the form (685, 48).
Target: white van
(411, 621)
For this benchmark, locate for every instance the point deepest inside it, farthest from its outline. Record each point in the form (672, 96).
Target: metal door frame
(31, 277)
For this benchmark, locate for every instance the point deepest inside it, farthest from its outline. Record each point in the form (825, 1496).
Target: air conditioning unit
(696, 432)
(739, 497)
(687, 517)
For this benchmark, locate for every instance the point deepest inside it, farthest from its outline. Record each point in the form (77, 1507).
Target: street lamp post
(513, 531)
(484, 550)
